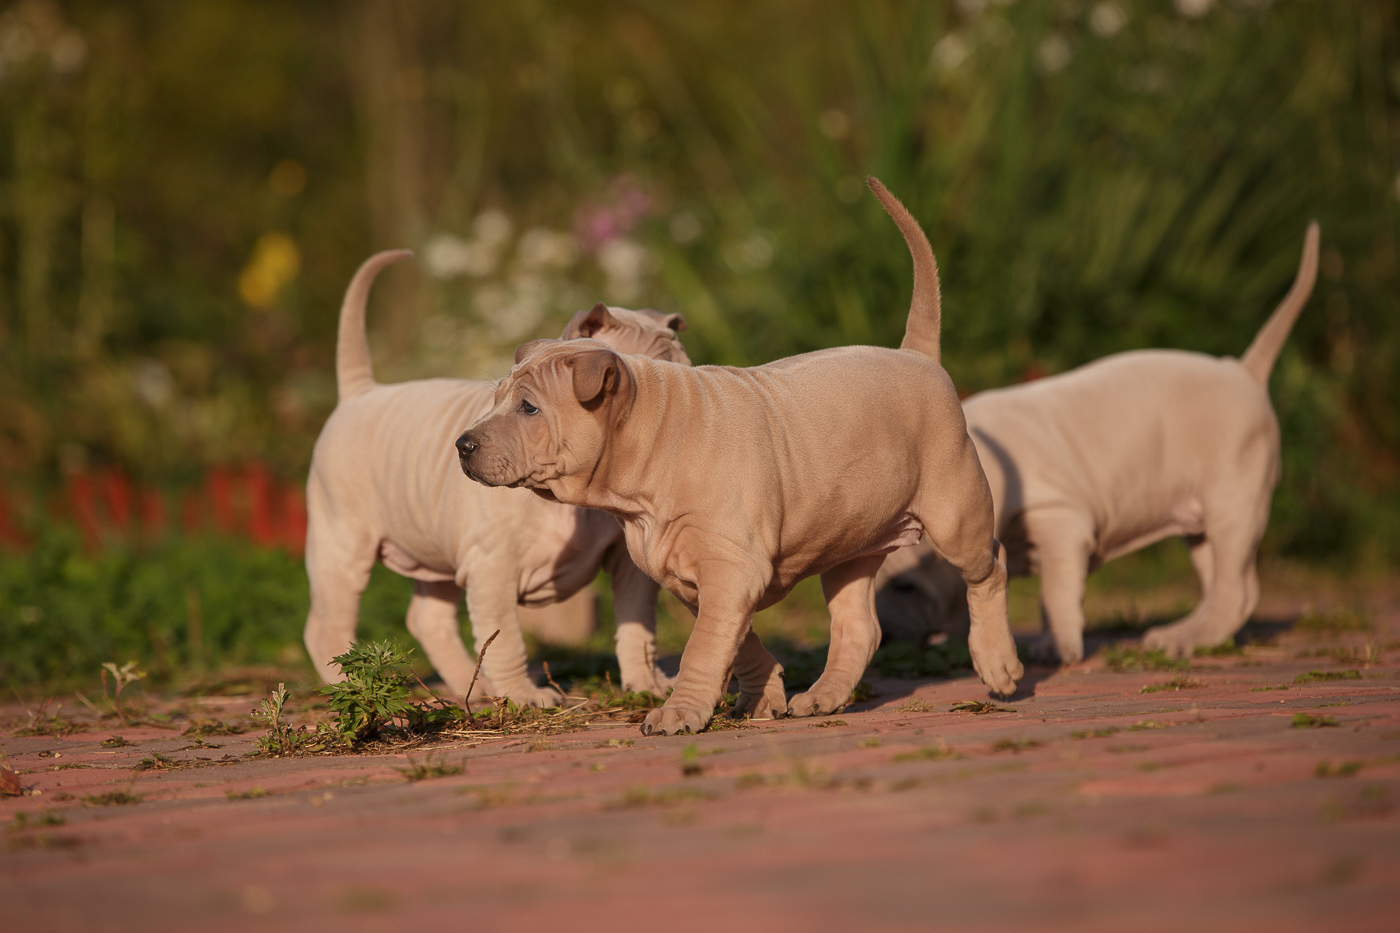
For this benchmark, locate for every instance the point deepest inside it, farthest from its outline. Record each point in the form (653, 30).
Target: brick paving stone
(1199, 809)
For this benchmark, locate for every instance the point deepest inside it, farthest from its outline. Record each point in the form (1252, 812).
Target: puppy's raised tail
(354, 373)
(1263, 352)
(921, 333)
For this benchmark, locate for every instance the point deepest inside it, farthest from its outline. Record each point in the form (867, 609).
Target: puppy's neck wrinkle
(616, 483)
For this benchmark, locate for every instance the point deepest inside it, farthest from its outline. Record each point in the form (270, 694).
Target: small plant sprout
(279, 739)
(690, 761)
(1309, 721)
(978, 707)
(428, 769)
(122, 677)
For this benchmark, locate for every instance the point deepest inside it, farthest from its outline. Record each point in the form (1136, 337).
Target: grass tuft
(1095, 733)
(1312, 677)
(1176, 683)
(1309, 721)
(113, 798)
(253, 793)
(978, 707)
(428, 769)
(1126, 658)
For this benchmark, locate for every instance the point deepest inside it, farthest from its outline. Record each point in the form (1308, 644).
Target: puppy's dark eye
(528, 408)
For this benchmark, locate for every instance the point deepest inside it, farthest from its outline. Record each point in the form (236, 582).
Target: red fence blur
(106, 506)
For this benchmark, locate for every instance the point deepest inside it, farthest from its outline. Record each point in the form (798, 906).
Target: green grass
(253, 793)
(64, 612)
(1335, 622)
(1312, 677)
(1309, 721)
(429, 769)
(938, 752)
(113, 798)
(1095, 733)
(1123, 658)
(1175, 684)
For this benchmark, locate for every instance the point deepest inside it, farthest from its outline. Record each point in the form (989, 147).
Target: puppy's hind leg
(337, 566)
(1064, 541)
(634, 607)
(432, 619)
(957, 519)
(761, 693)
(1232, 595)
(855, 634)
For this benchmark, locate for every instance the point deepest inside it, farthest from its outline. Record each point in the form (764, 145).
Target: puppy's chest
(571, 544)
(654, 556)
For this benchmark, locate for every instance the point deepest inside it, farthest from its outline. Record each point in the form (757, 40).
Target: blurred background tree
(185, 189)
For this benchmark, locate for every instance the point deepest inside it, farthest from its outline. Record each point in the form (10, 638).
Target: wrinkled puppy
(734, 484)
(385, 486)
(1106, 459)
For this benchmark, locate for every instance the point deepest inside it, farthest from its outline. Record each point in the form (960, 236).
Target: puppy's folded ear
(589, 323)
(674, 321)
(595, 372)
(526, 350)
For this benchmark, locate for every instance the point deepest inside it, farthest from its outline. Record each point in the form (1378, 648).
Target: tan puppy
(1109, 458)
(734, 484)
(385, 485)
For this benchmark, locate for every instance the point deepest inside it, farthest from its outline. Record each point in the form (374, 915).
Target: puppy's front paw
(768, 703)
(1176, 640)
(818, 701)
(1048, 652)
(1001, 671)
(653, 681)
(674, 719)
(527, 694)
(994, 657)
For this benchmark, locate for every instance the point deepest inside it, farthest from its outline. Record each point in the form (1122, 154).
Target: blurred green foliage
(189, 187)
(176, 607)
(185, 189)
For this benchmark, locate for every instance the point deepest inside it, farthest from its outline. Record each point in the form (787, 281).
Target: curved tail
(921, 333)
(1264, 350)
(354, 373)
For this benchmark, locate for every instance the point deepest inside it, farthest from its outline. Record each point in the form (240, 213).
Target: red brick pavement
(1199, 809)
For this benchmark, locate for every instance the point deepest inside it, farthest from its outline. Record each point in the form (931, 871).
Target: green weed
(252, 793)
(42, 722)
(23, 820)
(116, 741)
(205, 727)
(113, 798)
(1334, 622)
(657, 797)
(1309, 721)
(428, 769)
(1345, 769)
(1176, 683)
(1312, 677)
(1095, 733)
(978, 707)
(939, 752)
(1226, 648)
(1126, 658)
(690, 761)
(905, 661)
(1014, 745)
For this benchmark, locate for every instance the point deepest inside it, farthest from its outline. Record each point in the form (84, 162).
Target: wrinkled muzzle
(484, 459)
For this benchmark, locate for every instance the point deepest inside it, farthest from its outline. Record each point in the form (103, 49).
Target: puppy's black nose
(466, 444)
